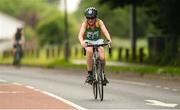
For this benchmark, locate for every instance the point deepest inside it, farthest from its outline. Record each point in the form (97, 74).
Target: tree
(117, 3)
(163, 13)
(111, 18)
(51, 29)
(165, 17)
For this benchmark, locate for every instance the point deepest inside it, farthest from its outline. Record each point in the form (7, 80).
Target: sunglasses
(90, 17)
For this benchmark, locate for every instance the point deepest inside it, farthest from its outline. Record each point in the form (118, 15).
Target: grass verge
(140, 69)
(116, 69)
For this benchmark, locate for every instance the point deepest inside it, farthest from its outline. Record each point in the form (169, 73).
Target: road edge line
(52, 95)
(64, 100)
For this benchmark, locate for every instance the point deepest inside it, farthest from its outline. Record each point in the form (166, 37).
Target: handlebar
(95, 45)
(98, 45)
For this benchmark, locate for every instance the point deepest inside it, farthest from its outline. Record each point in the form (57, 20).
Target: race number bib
(92, 35)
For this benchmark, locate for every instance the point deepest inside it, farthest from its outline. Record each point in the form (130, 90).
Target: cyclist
(90, 31)
(18, 38)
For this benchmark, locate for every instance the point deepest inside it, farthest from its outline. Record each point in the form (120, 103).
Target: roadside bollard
(127, 54)
(76, 52)
(141, 55)
(47, 53)
(59, 51)
(119, 54)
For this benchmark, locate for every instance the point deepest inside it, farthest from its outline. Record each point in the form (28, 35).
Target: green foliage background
(117, 20)
(43, 20)
(45, 23)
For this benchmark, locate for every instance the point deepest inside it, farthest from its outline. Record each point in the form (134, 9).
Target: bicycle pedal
(87, 83)
(104, 84)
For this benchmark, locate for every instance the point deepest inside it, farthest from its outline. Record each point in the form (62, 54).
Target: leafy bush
(50, 29)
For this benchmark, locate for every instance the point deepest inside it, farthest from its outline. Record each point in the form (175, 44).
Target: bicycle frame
(95, 61)
(98, 75)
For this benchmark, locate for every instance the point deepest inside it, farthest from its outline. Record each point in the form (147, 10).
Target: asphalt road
(119, 93)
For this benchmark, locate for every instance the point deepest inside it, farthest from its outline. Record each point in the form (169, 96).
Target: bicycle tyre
(100, 82)
(94, 84)
(95, 91)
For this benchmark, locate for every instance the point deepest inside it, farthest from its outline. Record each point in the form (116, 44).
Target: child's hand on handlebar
(83, 44)
(109, 43)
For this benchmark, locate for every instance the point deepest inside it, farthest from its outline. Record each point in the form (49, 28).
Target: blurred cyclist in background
(18, 39)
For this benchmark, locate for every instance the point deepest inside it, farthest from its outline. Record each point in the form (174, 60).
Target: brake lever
(110, 48)
(84, 50)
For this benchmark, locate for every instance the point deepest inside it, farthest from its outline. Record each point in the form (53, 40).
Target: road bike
(98, 75)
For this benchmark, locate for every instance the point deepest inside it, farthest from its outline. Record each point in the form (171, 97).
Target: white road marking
(11, 92)
(175, 90)
(167, 88)
(132, 82)
(158, 86)
(30, 87)
(17, 84)
(159, 103)
(54, 96)
(64, 100)
(37, 90)
(143, 84)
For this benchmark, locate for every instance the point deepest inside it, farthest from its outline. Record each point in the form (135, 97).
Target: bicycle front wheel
(100, 88)
(95, 90)
(100, 82)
